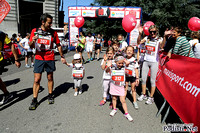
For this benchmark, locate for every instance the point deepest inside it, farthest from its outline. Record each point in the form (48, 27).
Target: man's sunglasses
(152, 32)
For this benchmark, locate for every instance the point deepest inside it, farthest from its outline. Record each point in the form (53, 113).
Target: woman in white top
(152, 45)
(195, 43)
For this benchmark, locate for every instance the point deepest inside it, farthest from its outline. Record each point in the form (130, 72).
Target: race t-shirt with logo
(105, 74)
(89, 40)
(152, 49)
(82, 38)
(4, 40)
(45, 43)
(130, 70)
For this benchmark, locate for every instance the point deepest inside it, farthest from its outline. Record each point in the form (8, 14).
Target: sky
(73, 3)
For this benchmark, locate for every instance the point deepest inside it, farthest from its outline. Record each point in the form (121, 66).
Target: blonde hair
(73, 61)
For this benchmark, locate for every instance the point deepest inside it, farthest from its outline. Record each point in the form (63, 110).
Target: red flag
(4, 9)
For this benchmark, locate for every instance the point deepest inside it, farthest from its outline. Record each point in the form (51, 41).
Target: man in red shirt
(43, 39)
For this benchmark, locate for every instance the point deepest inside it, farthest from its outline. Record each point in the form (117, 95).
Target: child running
(78, 73)
(117, 84)
(132, 74)
(106, 76)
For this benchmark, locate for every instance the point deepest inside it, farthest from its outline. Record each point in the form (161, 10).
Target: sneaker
(33, 105)
(27, 66)
(91, 59)
(113, 112)
(6, 98)
(102, 102)
(88, 60)
(128, 117)
(150, 100)
(51, 99)
(142, 97)
(75, 94)
(80, 92)
(32, 65)
(98, 59)
(135, 105)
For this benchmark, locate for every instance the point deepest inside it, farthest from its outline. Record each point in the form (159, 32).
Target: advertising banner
(178, 81)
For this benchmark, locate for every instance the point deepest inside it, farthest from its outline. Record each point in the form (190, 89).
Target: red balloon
(79, 21)
(146, 27)
(129, 22)
(194, 24)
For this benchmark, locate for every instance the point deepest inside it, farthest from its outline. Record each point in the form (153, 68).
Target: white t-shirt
(152, 49)
(196, 48)
(89, 40)
(123, 45)
(105, 74)
(25, 43)
(131, 67)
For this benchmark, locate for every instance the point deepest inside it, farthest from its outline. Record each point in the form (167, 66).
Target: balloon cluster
(194, 24)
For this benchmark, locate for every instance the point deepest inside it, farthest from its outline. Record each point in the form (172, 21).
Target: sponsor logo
(74, 12)
(103, 12)
(113, 14)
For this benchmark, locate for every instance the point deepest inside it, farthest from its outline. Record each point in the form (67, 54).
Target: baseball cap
(77, 56)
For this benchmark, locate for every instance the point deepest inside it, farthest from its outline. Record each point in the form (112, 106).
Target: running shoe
(102, 102)
(113, 112)
(33, 105)
(80, 92)
(27, 66)
(88, 60)
(75, 94)
(6, 98)
(142, 97)
(98, 59)
(91, 59)
(32, 65)
(135, 105)
(128, 116)
(150, 100)
(51, 99)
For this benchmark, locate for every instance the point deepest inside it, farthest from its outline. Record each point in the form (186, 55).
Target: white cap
(77, 56)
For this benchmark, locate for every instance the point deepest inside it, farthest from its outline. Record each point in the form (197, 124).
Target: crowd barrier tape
(178, 81)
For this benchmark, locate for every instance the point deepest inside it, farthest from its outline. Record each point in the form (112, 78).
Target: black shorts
(97, 46)
(28, 53)
(80, 49)
(130, 79)
(41, 65)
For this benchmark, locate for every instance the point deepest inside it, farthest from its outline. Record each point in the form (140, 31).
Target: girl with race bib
(106, 76)
(152, 45)
(132, 74)
(117, 84)
(78, 73)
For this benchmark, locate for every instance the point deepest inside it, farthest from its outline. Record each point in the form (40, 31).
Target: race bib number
(128, 72)
(77, 73)
(142, 51)
(118, 78)
(44, 42)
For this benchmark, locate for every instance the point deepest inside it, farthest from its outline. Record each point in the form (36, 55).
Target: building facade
(25, 15)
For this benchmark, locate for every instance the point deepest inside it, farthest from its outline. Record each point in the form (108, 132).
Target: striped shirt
(182, 47)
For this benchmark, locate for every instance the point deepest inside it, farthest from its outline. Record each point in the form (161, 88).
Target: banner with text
(178, 81)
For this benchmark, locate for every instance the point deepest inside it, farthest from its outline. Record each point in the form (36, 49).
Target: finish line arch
(103, 12)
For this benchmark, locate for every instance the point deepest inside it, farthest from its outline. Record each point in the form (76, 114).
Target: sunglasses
(152, 32)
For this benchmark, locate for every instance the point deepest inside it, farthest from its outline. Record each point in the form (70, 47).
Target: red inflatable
(146, 27)
(129, 22)
(194, 24)
(79, 21)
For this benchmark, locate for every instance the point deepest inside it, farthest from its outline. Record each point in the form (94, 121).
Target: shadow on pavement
(19, 96)
(63, 88)
(11, 82)
(90, 77)
(85, 87)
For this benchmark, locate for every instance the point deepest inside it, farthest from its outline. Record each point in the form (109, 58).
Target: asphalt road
(69, 114)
